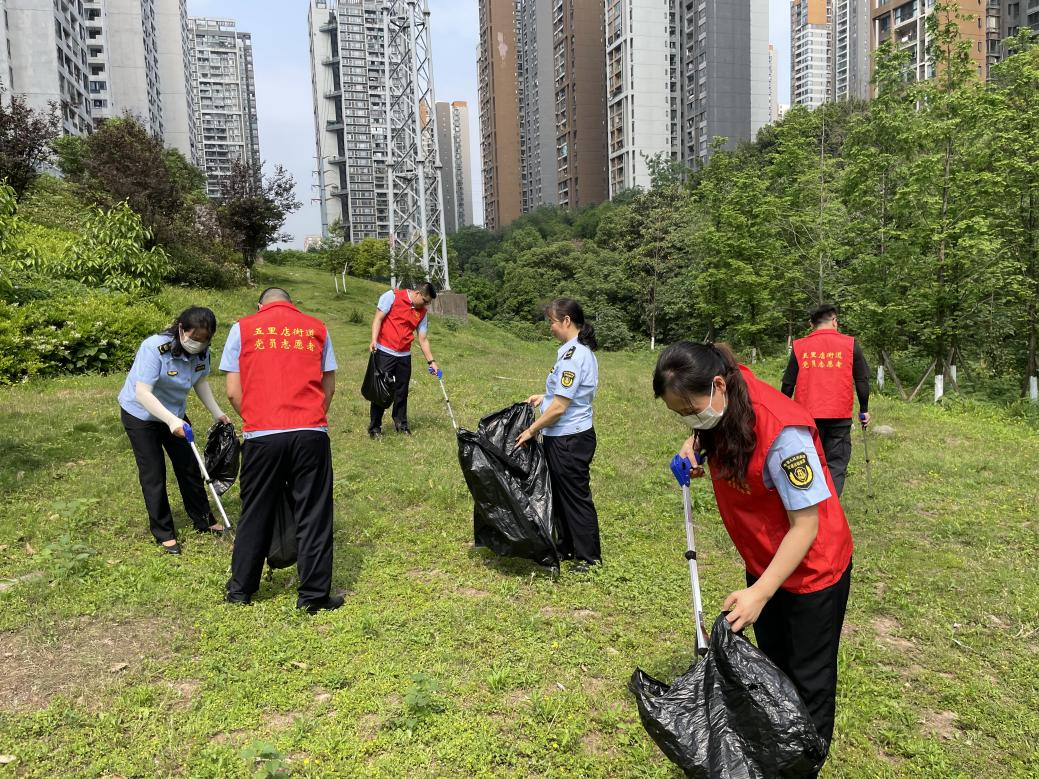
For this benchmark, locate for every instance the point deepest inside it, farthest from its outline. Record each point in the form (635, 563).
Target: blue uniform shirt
(575, 376)
(171, 377)
(790, 441)
(229, 364)
(384, 305)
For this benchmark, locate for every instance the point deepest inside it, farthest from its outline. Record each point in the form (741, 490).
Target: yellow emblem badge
(798, 471)
(567, 380)
(171, 373)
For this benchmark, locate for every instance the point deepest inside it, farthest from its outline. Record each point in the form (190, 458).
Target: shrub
(91, 332)
(109, 254)
(206, 265)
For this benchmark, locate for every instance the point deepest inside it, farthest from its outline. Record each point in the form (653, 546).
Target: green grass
(116, 660)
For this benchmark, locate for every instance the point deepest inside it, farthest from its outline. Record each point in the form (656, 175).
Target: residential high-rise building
(773, 84)
(124, 61)
(851, 49)
(348, 75)
(452, 120)
(725, 79)
(223, 92)
(178, 116)
(536, 109)
(6, 66)
(1005, 19)
(642, 119)
(47, 58)
(906, 24)
(499, 112)
(811, 52)
(579, 43)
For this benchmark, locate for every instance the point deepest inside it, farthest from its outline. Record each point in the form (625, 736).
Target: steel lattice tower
(413, 159)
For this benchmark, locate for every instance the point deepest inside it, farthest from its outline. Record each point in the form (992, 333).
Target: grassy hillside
(117, 660)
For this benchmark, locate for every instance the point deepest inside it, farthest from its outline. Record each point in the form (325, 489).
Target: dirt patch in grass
(278, 720)
(471, 592)
(885, 628)
(941, 724)
(186, 689)
(579, 614)
(89, 655)
(594, 744)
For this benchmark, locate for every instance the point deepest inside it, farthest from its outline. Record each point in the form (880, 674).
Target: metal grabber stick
(694, 572)
(440, 377)
(190, 435)
(865, 449)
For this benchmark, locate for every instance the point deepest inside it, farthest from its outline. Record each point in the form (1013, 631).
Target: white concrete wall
(178, 118)
(760, 90)
(128, 54)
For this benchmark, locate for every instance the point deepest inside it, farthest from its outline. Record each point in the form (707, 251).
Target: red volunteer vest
(824, 377)
(398, 327)
(756, 519)
(280, 369)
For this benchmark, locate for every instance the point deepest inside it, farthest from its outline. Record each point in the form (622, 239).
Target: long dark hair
(561, 307)
(194, 318)
(686, 368)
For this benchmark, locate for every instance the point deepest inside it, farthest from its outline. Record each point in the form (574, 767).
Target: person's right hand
(371, 346)
(691, 451)
(535, 400)
(177, 428)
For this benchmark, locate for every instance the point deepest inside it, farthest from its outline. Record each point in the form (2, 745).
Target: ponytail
(561, 307)
(685, 369)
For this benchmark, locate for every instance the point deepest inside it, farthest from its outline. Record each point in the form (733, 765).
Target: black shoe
(174, 549)
(375, 433)
(331, 603)
(583, 566)
(402, 429)
(237, 600)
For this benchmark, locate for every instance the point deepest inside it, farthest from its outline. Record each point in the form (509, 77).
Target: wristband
(430, 362)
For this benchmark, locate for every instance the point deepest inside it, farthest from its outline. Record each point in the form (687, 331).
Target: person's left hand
(523, 437)
(225, 419)
(744, 607)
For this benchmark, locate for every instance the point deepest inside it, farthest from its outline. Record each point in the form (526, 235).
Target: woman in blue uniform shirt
(153, 403)
(568, 436)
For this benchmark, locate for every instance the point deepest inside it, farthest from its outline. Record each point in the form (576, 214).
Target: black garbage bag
(512, 495)
(378, 385)
(223, 456)
(282, 552)
(735, 715)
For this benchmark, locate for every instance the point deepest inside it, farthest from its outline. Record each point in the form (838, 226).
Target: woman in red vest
(779, 506)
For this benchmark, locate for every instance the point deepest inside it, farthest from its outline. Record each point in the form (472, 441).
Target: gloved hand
(187, 432)
(179, 427)
(436, 372)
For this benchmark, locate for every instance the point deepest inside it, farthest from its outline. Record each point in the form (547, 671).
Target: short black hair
(275, 293)
(823, 313)
(427, 289)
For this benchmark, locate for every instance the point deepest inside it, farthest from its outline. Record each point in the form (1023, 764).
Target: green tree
(25, 137)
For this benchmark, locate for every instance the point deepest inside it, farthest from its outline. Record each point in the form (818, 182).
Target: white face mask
(707, 418)
(191, 346)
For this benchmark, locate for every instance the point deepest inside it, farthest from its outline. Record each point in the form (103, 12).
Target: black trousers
(569, 459)
(400, 367)
(836, 440)
(801, 634)
(300, 462)
(148, 440)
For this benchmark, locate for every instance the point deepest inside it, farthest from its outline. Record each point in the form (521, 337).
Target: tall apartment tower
(906, 23)
(773, 84)
(811, 52)
(579, 43)
(642, 119)
(499, 112)
(724, 85)
(122, 37)
(1005, 19)
(348, 80)
(452, 120)
(851, 50)
(46, 51)
(178, 116)
(6, 66)
(536, 112)
(223, 93)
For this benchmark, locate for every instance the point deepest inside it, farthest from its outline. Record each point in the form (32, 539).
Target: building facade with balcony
(452, 121)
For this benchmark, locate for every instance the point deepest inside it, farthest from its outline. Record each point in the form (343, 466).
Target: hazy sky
(282, 61)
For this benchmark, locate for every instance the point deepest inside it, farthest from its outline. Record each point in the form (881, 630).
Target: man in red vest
(281, 375)
(399, 315)
(826, 370)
